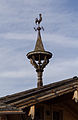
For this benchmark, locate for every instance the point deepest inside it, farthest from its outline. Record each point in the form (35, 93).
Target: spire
(39, 58)
(39, 45)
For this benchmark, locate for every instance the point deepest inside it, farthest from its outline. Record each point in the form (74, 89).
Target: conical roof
(39, 50)
(39, 45)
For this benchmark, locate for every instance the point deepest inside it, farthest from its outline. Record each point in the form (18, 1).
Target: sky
(17, 38)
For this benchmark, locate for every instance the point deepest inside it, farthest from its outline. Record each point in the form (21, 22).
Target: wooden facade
(62, 108)
(56, 101)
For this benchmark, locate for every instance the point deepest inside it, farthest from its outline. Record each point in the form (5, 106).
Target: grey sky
(17, 38)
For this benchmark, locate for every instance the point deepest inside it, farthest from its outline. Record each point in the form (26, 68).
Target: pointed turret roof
(39, 45)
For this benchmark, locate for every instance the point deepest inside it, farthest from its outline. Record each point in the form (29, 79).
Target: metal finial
(37, 22)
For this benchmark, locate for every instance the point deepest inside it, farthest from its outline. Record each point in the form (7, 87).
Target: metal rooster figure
(37, 22)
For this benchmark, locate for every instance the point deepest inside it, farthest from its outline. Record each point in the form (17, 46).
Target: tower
(39, 58)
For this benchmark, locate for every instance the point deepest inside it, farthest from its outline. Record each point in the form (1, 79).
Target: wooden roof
(7, 109)
(33, 96)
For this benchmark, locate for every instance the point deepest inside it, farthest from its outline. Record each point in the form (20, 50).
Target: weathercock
(37, 21)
